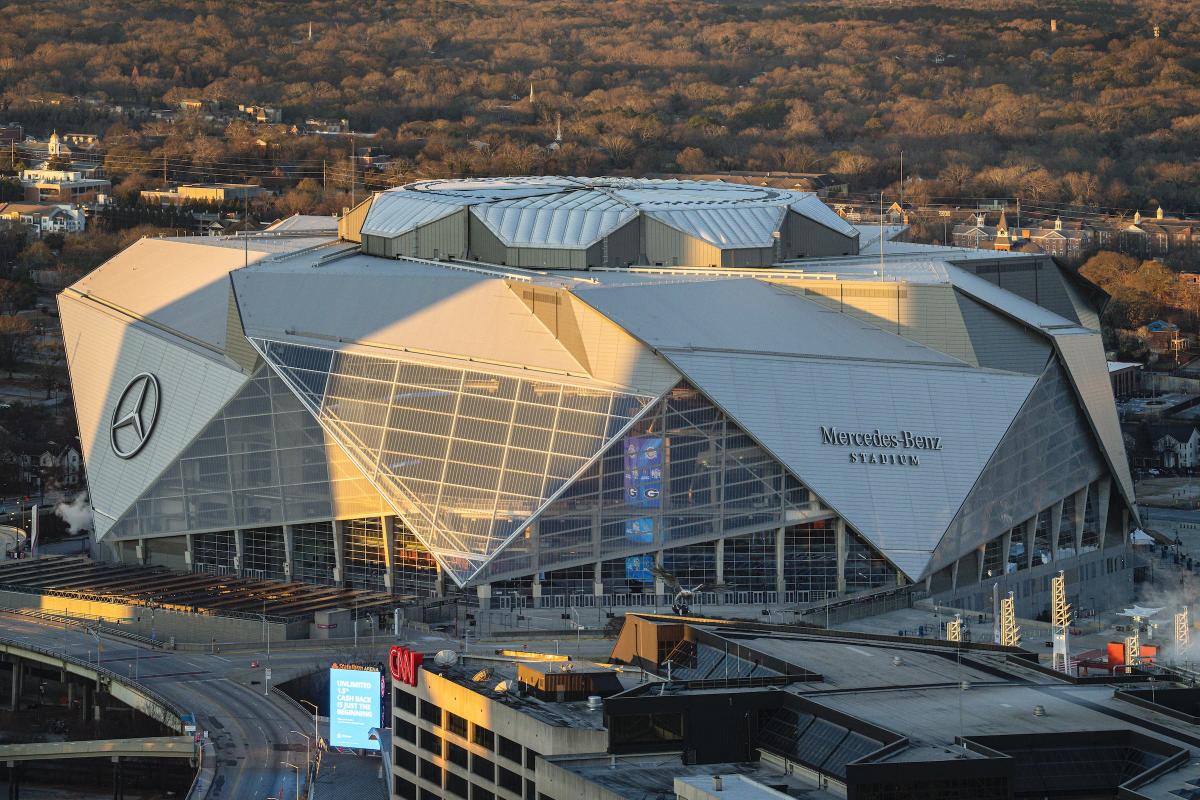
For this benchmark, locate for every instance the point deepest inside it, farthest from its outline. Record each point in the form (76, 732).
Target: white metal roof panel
(570, 219)
(395, 213)
(1008, 302)
(425, 308)
(737, 226)
(902, 509)
(182, 286)
(748, 315)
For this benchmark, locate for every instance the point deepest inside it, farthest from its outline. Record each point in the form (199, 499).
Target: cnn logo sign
(404, 664)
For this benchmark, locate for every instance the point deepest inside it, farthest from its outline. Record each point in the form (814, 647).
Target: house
(193, 104)
(1161, 334)
(1178, 445)
(61, 186)
(11, 133)
(83, 141)
(1190, 278)
(263, 114)
(367, 157)
(43, 218)
(1157, 237)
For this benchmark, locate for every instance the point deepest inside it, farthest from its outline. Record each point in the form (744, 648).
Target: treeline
(982, 97)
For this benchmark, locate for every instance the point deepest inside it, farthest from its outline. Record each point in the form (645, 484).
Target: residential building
(43, 218)
(1178, 444)
(261, 114)
(1124, 377)
(61, 186)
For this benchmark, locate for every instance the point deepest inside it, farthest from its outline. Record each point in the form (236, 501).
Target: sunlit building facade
(554, 389)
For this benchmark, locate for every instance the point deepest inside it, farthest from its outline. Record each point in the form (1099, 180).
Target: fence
(642, 600)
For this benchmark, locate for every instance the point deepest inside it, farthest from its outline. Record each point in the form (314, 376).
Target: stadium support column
(140, 552)
(1055, 526)
(1103, 492)
(780, 583)
(239, 551)
(1005, 550)
(720, 559)
(484, 593)
(387, 526)
(1028, 532)
(660, 587)
(339, 539)
(1080, 511)
(289, 551)
(16, 683)
(841, 545)
(189, 550)
(597, 579)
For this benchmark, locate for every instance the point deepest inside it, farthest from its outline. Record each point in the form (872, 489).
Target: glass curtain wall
(466, 455)
(313, 553)
(261, 461)
(213, 552)
(682, 474)
(263, 553)
(362, 554)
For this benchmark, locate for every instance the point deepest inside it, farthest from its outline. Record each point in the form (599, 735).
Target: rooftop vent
(595, 702)
(446, 658)
(716, 783)
(482, 675)
(1039, 711)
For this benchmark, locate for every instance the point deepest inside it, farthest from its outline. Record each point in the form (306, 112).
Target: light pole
(316, 732)
(293, 766)
(307, 754)
(267, 639)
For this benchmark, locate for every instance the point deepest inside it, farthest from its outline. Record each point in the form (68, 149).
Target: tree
(15, 333)
(692, 160)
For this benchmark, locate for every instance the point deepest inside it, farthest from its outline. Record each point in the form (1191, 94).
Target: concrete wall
(163, 623)
(350, 224)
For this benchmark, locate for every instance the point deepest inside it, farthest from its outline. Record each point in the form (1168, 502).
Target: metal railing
(140, 603)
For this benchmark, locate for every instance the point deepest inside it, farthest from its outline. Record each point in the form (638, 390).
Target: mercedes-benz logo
(134, 417)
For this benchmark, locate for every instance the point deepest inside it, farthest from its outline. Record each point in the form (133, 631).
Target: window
(431, 742)
(457, 785)
(509, 780)
(404, 789)
(483, 768)
(456, 755)
(431, 772)
(405, 702)
(510, 750)
(484, 737)
(404, 759)
(404, 730)
(531, 757)
(626, 729)
(431, 713)
(456, 724)
(530, 789)
(428, 795)
(479, 793)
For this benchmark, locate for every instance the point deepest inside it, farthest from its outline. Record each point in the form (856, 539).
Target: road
(1173, 515)
(251, 732)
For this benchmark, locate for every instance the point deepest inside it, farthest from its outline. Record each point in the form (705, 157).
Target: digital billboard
(643, 471)
(637, 568)
(640, 530)
(354, 706)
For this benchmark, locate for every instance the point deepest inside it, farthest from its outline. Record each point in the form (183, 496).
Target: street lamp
(316, 732)
(307, 754)
(293, 766)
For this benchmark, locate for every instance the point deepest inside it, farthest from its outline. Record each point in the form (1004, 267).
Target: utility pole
(353, 171)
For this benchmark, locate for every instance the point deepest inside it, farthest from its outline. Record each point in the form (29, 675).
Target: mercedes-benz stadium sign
(134, 416)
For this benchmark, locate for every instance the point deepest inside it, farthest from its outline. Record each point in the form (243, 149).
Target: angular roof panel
(748, 315)
(791, 406)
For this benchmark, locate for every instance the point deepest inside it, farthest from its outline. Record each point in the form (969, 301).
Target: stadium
(591, 390)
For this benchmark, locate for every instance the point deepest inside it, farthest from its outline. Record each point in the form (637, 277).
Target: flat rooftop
(561, 714)
(653, 777)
